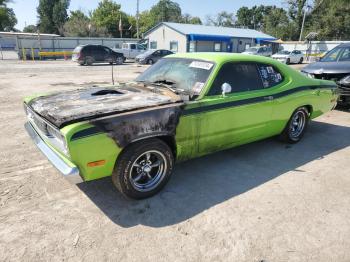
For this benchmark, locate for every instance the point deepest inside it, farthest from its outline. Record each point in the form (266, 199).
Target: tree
(80, 25)
(52, 15)
(166, 11)
(188, 19)
(331, 19)
(296, 13)
(108, 15)
(7, 17)
(222, 19)
(277, 24)
(30, 29)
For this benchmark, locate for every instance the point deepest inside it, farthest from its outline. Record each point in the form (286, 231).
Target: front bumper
(68, 169)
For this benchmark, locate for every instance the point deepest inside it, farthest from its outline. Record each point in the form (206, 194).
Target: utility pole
(302, 25)
(137, 19)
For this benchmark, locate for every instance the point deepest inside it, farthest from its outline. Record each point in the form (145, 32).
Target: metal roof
(189, 29)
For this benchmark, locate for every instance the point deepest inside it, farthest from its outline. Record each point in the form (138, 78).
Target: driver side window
(241, 76)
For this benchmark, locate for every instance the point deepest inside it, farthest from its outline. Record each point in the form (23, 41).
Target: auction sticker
(201, 65)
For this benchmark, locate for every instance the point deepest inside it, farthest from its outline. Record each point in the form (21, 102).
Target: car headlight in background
(307, 74)
(345, 81)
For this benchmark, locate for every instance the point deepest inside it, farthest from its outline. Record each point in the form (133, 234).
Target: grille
(333, 77)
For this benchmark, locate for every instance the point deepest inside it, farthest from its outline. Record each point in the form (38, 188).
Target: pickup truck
(130, 50)
(184, 106)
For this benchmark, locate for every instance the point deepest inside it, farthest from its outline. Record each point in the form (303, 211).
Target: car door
(157, 55)
(107, 54)
(240, 116)
(133, 51)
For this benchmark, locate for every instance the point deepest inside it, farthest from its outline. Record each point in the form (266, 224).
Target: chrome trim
(70, 173)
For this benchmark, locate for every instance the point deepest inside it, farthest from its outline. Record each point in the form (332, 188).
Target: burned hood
(69, 107)
(320, 68)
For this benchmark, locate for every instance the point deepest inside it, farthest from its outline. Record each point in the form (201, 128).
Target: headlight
(345, 81)
(307, 74)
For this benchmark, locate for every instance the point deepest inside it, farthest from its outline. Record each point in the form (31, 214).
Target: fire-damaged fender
(111, 134)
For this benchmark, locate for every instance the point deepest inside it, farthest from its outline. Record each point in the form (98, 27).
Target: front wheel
(296, 126)
(301, 60)
(119, 60)
(150, 62)
(143, 168)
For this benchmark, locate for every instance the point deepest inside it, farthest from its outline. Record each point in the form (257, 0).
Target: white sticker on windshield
(197, 88)
(201, 65)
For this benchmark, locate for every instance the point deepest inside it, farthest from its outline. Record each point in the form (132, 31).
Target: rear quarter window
(270, 76)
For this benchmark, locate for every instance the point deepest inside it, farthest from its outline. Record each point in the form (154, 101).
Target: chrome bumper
(70, 172)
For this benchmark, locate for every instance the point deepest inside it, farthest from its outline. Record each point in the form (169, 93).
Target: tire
(288, 61)
(134, 175)
(150, 62)
(119, 60)
(296, 126)
(89, 60)
(301, 60)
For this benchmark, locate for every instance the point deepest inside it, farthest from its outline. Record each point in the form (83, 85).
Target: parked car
(131, 50)
(288, 57)
(259, 50)
(90, 54)
(152, 56)
(184, 106)
(335, 65)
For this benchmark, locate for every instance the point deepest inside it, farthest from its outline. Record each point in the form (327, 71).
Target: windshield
(337, 54)
(149, 52)
(187, 75)
(252, 49)
(283, 52)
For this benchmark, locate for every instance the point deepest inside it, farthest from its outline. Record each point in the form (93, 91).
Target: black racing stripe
(91, 131)
(254, 100)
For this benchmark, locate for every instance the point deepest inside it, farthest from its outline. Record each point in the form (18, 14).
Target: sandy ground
(264, 201)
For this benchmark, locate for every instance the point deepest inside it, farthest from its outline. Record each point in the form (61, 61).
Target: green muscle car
(184, 106)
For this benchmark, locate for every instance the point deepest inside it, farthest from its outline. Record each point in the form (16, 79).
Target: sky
(25, 10)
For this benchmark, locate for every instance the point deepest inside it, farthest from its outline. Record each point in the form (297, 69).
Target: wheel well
(170, 141)
(309, 108)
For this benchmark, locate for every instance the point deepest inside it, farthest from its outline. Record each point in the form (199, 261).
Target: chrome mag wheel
(148, 171)
(297, 124)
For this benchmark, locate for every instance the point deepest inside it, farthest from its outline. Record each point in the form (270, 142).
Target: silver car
(259, 50)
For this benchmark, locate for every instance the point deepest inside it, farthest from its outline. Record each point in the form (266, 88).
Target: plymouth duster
(184, 106)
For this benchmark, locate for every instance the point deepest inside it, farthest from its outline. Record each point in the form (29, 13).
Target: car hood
(328, 68)
(69, 107)
(250, 53)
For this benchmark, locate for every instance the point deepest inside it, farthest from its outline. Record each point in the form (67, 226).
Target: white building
(199, 38)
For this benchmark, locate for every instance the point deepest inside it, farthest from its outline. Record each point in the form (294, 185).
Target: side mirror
(226, 88)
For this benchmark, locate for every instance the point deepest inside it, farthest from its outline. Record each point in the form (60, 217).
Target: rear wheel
(288, 61)
(301, 60)
(143, 168)
(296, 126)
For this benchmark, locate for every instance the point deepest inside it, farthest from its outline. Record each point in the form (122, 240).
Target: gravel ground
(263, 201)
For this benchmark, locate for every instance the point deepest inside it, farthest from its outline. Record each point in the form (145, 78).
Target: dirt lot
(264, 201)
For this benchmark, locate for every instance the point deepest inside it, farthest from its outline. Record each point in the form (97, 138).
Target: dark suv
(89, 54)
(335, 65)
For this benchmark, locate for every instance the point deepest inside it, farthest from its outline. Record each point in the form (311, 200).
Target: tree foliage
(52, 15)
(8, 18)
(30, 29)
(107, 15)
(222, 19)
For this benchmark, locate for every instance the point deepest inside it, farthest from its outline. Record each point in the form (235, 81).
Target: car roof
(219, 58)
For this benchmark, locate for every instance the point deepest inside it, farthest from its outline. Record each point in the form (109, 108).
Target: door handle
(269, 98)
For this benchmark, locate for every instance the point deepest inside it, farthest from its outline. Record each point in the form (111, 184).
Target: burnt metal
(69, 107)
(127, 128)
